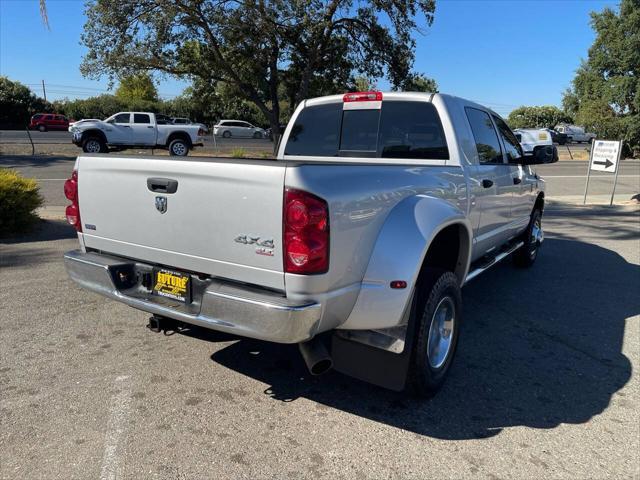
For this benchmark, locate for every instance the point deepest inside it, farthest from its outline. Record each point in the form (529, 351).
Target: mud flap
(370, 364)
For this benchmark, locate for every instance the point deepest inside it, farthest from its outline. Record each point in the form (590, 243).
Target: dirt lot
(546, 383)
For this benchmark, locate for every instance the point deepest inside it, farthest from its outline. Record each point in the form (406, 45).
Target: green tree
(547, 116)
(138, 87)
(605, 91)
(261, 49)
(418, 82)
(18, 103)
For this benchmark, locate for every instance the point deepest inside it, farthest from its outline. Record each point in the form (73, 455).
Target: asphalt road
(64, 137)
(565, 179)
(545, 385)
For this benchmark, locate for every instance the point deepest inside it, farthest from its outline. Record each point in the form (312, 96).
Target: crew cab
(354, 242)
(136, 130)
(575, 133)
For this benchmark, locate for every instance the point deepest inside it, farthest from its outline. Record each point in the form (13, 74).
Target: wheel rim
(179, 149)
(41, 128)
(537, 235)
(93, 146)
(441, 333)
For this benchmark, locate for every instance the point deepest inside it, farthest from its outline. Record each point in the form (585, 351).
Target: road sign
(605, 155)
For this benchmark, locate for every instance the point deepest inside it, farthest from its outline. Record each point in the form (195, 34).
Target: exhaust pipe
(316, 357)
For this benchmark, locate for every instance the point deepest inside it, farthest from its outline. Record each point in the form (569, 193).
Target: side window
(316, 131)
(121, 118)
(511, 143)
(141, 118)
(48, 117)
(59, 118)
(411, 130)
(485, 136)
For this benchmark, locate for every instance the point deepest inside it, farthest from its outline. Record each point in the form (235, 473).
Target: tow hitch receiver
(168, 326)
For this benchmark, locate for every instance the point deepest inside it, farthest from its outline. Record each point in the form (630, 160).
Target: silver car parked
(237, 128)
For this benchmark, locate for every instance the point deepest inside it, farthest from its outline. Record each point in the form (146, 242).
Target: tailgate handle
(162, 185)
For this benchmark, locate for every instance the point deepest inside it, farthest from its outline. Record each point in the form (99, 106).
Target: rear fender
(398, 254)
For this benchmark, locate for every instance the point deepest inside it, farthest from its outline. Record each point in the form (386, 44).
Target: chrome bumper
(223, 307)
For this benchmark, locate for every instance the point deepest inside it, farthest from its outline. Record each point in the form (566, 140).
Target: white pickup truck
(136, 130)
(354, 242)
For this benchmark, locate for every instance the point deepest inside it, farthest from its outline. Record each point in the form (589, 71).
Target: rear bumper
(222, 306)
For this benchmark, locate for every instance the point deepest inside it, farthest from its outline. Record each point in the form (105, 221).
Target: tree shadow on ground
(538, 348)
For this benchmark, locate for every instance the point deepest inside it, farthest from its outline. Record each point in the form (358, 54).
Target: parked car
(354, 242)
(139, 130)
(237, 128)
(575, 133)
(187, 121)
(48, 121)
(73, 125)
(532, 139)
(557, 137)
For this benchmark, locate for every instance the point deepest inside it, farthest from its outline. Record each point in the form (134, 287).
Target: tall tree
(263, 49)
(137, 87)
(605, 93)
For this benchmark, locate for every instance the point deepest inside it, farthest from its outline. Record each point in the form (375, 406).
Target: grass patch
(238, 153)
(19, 198)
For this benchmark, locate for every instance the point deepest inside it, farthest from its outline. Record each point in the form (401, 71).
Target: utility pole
(44, 91)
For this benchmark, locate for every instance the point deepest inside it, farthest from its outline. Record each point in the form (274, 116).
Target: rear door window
(141, 118)
(485, 135)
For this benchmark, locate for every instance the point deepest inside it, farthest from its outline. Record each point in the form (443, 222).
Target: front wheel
(526, 255)
(42, 128)
(94, 145)
(437, 319)
(179, 148)
(226, 134)
(257, 135)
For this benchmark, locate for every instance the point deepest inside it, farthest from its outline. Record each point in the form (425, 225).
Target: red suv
(48, 121)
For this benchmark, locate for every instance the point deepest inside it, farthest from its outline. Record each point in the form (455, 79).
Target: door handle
(150, 126)
(517, 181)
(486, 183)
(162, 185)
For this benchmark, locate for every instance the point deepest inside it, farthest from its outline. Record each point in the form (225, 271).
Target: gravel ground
(545, 384)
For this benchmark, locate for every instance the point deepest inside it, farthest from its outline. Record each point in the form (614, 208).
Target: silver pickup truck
(136, 130)
(354, 242)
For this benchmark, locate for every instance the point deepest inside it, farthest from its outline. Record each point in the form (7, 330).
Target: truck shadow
(538, 348)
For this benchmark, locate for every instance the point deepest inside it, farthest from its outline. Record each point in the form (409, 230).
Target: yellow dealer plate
(170, 284)
(542, 136)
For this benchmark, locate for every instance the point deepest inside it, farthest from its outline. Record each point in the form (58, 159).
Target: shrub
(19, 197)
(238, 153)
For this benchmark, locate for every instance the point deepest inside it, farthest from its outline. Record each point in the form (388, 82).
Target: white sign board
(605, 155)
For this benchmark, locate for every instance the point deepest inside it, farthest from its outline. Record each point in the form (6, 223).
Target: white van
(575, 133)
(531, 138)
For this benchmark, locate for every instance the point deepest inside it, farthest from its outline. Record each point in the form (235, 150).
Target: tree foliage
(418, 82)
(547, 116)
(264, 50)
(605, 93)
(137, 87)
(18, 103)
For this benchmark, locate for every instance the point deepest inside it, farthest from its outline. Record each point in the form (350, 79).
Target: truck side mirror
(542, 154)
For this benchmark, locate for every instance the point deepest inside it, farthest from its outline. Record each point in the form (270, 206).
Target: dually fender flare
(398, 254)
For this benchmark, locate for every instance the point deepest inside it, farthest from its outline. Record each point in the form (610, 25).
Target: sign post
(605, 156)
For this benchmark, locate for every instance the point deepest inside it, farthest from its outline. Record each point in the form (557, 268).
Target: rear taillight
(71, 192)
(362, 97)
(306, 233)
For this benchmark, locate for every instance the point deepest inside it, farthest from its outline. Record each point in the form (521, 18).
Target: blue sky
(502, 53)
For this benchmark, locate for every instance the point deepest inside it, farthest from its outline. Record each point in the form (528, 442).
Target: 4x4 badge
(161, 204)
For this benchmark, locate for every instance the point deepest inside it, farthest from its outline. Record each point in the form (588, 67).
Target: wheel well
(94, 133)
(539, 202)
(179, 136)
(449, 250)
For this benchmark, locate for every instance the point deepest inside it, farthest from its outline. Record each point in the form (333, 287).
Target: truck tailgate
(219, 221)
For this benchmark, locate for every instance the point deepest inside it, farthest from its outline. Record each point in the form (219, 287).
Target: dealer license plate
(171, 284)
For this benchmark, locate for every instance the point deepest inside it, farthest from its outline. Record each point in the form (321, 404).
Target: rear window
(399, 130)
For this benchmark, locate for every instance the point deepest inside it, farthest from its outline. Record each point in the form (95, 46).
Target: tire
(526, 255)
(42, 128)
(257, 135)
(437, 317)
(179, 148)
(226, 134)
(94, 145)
